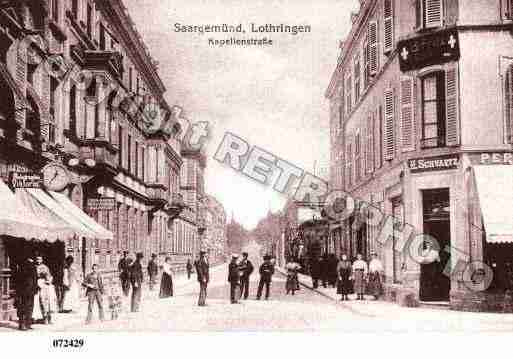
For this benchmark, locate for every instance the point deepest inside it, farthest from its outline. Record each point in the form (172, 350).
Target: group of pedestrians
(239, 273)
(39, 295)
(359, 277)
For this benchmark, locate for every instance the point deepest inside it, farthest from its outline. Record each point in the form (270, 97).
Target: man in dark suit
(94, 292)
(124, 273)
(202, 272)
(26, 288)
(245, 268)
(153, 271)
(266, 274)
(136, 279)
(234, 279)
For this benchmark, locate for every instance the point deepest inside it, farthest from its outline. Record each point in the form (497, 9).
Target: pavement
(307, 310)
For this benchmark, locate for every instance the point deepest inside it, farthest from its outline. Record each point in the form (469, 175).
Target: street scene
(193, 166)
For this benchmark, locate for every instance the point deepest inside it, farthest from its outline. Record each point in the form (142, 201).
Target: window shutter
(433, 13)
(388, 131)
(370, 143)
(372, 47)
(349, 160)
(452, 106)
(418, 14)
(378, 142)
(407, 115)
(341, 108)
(349, 86)
(508, 104)
(388, 25)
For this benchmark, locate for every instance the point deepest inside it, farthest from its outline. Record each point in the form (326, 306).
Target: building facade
(420, 118)
(214, 240)
(80, 91)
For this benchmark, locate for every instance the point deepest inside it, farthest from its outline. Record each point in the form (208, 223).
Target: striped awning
(16, 220)
(495, 190)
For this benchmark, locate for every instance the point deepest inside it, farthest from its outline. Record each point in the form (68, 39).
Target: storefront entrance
(434, 284)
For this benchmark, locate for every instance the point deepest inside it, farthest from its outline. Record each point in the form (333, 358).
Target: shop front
(34, 222)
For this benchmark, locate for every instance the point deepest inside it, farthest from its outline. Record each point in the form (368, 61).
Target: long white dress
(72, 295)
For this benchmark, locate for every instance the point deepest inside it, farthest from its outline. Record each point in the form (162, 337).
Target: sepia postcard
(240, 166)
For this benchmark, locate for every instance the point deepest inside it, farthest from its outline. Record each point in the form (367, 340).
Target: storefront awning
(51, 204)
(16, 220)
(100, 231)
(495, 191)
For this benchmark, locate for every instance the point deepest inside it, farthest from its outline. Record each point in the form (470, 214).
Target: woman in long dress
(344, 273)
(45, 298)
(375, 276)
(166, 283)
(72, 288)
(360, 270)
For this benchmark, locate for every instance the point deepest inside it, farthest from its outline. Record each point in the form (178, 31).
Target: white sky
(273, 97)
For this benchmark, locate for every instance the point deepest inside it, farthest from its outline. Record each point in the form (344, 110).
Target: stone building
(214, 240)
(421, 121)
(80, 92)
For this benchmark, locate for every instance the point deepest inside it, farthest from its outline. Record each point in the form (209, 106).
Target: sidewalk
(62, 321)
(367, 307)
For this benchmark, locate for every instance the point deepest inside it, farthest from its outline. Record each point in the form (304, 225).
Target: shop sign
(101, 204)
(492, 158)
(26, 180)
(438, 163)
(429, 49)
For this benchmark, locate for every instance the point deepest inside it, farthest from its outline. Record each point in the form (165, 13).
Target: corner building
(421, 121)
(76, 79)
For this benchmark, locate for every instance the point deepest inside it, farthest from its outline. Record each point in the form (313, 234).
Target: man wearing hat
(202, 271)
(266, 273)
(234, 279)
(124, 273)
(245, 268)
(136, 278)
(153, 271)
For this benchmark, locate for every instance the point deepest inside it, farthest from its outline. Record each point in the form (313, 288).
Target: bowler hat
(153, 255)
(139, 255)
(244, 254)
(203, 252)
(267, 257)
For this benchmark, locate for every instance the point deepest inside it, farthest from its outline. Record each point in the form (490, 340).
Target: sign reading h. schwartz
(438, 163)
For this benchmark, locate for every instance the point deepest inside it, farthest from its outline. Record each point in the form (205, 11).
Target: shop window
(429, 13)
(433, 114)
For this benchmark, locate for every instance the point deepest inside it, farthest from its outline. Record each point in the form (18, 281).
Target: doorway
(434, 284)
